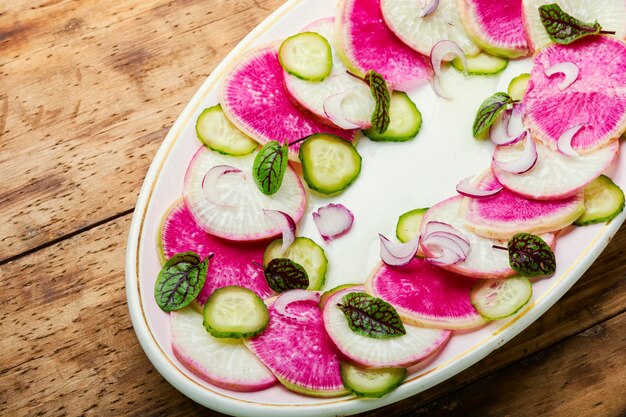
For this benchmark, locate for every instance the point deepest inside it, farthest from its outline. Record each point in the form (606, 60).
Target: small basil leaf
(269, 167)
(283, 274)
(380, 92)
(563, 28)
(530, 256)
(489, 111)
(180, 281)
(370, 316)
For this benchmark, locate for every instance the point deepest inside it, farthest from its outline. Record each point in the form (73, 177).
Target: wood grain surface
(88, 90)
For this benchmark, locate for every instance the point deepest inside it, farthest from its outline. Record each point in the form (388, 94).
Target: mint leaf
(489, 111)
(563, 28)
(269, 167)
(180, 281)
(370, 316)
(530, 256)
(380, 92)
(283, 274)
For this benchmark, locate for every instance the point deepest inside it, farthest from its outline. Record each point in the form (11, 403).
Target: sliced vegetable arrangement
(244, 289)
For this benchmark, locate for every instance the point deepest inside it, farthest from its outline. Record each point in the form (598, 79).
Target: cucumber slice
(496, 299)
(409, 224)
(307, 56)
(235, 312)
(329, 163)
(604, 200)
(405, 120)
(216, 132)
(482, 64)
(304, 252)
(371, 383)
(518, 85)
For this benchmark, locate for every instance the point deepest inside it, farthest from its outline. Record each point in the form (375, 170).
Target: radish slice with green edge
(426, 295)
(526, 160)
(444, 51)
(298, 351)
(428, 6)
(415, 346)
(209, 182)
(333, 220)
(226, 363)
(564, 143)
(364, 43)
(568, 69)
(245, 219)
(483, 261)
(230, 264)
(292, 296)
(555, 175)
(254, 98)
(466, 188)
(397, 254)
(507, 213)
(287, 226)
(500, 298)
(333, 110)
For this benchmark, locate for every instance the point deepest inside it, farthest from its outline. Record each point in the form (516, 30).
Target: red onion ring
(442, 52)
(333, 220)
(525, 162)
(287, 226)
(397, 254)
(428, 6)
(291, 296)
(332, 109)
(210, 180)
(466, 188)
(564, 143)
(568, 69)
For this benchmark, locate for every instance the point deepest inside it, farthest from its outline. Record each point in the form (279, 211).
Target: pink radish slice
(415, 346)
(597, 98)
(507, 213)
(254, 99)
(244, 219)
(226, 363)
(231, 264)
(569, 70)
(396, 254)
(298, 352)
(525, 161)
(364, 44)
(483, 261)
(555, 175)
(426, 295)
(496, 26)
(333, 220)
(444, 51)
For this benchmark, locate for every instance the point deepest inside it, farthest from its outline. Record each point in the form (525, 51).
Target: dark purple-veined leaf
(269, 167)
(563, 28)
(380, 92)
(180, 281)
(283, 274)
(489, 111)
(370, 316)
(530, 256)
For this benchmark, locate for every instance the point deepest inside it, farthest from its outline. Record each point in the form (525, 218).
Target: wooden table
(88, 90)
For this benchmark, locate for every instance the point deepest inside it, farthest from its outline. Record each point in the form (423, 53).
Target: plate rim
(343, 405)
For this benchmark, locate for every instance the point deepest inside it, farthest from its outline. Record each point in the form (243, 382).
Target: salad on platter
(248, 295)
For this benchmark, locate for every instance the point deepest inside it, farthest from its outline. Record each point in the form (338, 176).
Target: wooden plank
(68, 347)
(98, 96)
(585, 376)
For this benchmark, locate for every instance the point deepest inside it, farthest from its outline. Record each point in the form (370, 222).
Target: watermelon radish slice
(496, 26)
(364, 44)
(298, 351)
(226, 363)
(415, 346)
(555, 175)
(503, 215)
(611, 14)
(597, 99)
(357, 106)
(426, 295)
(237, 212)
(230, 264)
(483, 261)
(254, 98)
(422, 33)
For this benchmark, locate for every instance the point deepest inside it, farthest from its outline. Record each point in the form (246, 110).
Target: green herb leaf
(370, 316)
(380, 92)
(269, 167)
(283, 274)
(530, 256)
(180, 281)
(563, 28)
(489, 111)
